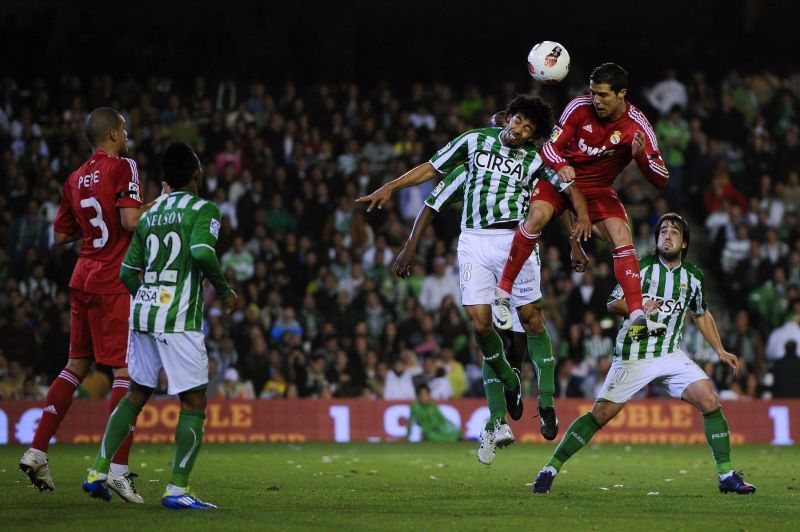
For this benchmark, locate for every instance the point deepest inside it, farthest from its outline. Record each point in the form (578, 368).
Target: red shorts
(99, 327)
(602, 203)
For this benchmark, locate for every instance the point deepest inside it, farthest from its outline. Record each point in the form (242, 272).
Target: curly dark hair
(534, 109)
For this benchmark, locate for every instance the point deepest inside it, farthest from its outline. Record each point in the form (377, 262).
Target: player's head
(608, 84)
(180, 166)
(105, 128)
(423, 393)
(529, 118)
(672, 237)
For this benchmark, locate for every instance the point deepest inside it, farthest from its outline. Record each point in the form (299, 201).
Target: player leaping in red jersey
(100, 204)
(596, 137)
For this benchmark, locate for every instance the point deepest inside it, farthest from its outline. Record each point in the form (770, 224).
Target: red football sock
(626, 269)
(118, 390)
(57, 403)
(521, 248)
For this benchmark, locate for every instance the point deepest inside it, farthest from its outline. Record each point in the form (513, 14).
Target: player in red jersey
(100, 204)
(596, 137)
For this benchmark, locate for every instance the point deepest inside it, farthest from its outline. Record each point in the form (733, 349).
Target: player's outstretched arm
(404, 259)
(413, 177)
(708, 328)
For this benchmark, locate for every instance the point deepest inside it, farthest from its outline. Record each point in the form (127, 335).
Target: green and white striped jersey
(171, 297)
(497, 179)
(679, 290)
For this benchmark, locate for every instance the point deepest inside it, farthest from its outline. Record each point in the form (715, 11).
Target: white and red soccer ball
(548, 62)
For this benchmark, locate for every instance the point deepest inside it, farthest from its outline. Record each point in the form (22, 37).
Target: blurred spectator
(787, 373)
(778, 338)
(399, 383)
(438, 285)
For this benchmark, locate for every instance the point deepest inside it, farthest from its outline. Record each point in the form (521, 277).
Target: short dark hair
(423, 386)
(612, 74)
(677, 220)
(99, 124)
(534, 109)
(178, 165)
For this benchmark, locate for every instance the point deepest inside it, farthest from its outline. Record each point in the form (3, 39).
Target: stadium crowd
(322, 313)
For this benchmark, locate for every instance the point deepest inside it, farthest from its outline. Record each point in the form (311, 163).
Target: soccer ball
(548, 62)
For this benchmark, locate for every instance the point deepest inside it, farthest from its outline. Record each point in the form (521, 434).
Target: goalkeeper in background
(171, 253)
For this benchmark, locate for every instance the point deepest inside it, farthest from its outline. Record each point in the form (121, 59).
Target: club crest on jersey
(555, 133)
(166, 294)
(494, 162)
(616, 136)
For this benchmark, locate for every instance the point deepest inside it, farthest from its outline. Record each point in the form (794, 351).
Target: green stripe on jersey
(498, 178)
(170, 299)
(679, 290)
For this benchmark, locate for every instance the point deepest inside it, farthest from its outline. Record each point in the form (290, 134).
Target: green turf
(417, 487)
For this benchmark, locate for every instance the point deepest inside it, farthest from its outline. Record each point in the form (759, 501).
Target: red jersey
(90, 201)
(598, 150)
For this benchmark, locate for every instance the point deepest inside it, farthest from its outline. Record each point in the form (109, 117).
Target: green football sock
(541, 352)
(495, 396)
(493, 354)
(188, 437)
(719, 439)
(577, 435)
(117, 429)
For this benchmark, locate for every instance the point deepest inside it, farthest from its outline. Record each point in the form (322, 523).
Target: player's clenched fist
(566, 174)
(637, 146)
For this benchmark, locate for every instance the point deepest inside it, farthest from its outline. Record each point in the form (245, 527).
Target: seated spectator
(399, 383)
(438, 285)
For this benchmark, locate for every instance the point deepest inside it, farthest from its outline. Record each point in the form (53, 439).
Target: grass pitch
(400, 486)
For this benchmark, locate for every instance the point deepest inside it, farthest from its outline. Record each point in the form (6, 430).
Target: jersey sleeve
(546, 173)
(133, 264)
(126, 184)
(452, 154)
(65, 222)
(617, 294)
(562, 133)
(202, 242)
(649, 161)
(699, 304)
(449, 190)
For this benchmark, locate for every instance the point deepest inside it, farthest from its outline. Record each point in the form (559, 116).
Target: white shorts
(481, 258)
(182, 355)
(674, 372)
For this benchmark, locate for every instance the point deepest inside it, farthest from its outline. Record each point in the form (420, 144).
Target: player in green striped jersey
(671, 286)
(501, 167)
(171, 253)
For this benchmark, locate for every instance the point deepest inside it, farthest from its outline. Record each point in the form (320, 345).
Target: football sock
(57, 403)
(495, 396)
(522, 246)
(577, 435)
(626, 269)
(719, 439)
(541, 352)
(188, 438)
(118, 391)
(118, 428)
(492, 348)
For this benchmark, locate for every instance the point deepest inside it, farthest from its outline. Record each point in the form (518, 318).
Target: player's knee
(603, 412)
(138, 395)
(534, 323)
(482, 327)
(535, 223)
(709, 402)
(79, 366)
(194, 400)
